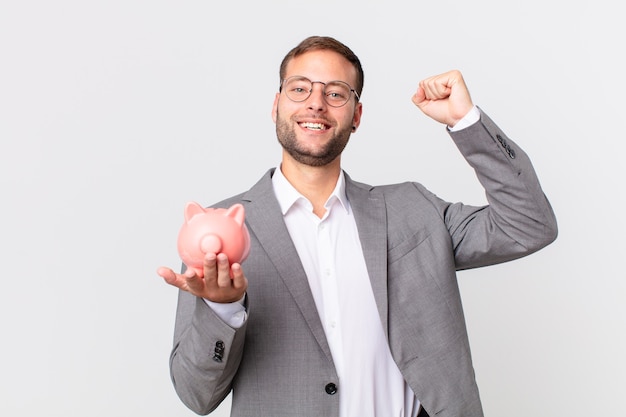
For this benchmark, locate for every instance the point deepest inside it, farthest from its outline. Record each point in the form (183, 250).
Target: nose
(316, 100)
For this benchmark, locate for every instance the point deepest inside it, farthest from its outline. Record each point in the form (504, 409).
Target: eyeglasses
(335, 93)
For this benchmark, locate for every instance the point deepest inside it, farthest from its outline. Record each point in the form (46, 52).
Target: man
(349, 304)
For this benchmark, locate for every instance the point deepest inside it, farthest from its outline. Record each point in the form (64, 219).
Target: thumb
(419, 97)
(166, 273)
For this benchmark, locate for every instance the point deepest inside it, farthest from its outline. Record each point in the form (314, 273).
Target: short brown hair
(314, 43)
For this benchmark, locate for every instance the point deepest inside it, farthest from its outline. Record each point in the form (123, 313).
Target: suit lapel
(369, 210)
(265, 221)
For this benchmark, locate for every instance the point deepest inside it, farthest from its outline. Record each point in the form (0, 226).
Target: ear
(356, 119)
(237, 213)
(275, 107)
(191, 209)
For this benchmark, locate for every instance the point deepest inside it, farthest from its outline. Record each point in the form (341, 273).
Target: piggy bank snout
(211, 244)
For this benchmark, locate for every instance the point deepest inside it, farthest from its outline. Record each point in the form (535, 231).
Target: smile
(313, 126)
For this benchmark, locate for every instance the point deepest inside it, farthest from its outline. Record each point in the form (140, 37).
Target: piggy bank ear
(191, 209)
(237, 213)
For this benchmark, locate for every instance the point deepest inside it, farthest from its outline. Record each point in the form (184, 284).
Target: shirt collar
(287, 195)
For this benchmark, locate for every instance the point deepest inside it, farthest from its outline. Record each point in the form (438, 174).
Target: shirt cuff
(234, 314)
(469, 119)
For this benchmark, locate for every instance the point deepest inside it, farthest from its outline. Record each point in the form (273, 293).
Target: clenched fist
(444, 97)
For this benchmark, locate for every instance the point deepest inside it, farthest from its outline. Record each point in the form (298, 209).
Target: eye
(298, 88)
(340, 95)
(337, 92)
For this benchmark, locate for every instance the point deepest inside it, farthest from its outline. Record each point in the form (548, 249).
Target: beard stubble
(285, 132)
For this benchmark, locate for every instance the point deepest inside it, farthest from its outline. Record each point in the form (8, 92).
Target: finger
(240, 282)
(194, 283)
(426, 85)
(419, 97)
(210, 269)
(223, 271)
(436, 88)
(166, 273)
(172, 278)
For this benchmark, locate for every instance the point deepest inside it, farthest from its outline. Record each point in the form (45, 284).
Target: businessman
(348, 304)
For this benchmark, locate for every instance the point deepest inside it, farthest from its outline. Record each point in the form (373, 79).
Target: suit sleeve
(518, 219)
(205, 356)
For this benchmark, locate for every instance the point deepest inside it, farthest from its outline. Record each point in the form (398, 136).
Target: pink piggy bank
(216, 230)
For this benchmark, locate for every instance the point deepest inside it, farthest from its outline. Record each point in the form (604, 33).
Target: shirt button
(331, 389)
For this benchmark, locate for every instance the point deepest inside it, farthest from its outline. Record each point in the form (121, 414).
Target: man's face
(311, 131)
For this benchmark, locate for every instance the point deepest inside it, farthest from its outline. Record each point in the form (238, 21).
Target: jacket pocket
(406, 246)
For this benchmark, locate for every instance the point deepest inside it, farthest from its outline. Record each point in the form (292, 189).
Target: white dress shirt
(370, 383)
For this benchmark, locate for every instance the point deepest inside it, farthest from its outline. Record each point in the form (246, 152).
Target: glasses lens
(337, 93)
(298, 88)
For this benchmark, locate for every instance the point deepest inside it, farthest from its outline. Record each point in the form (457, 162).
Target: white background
(114, 114)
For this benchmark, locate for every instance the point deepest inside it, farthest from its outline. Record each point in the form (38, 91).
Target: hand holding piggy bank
(213, 230)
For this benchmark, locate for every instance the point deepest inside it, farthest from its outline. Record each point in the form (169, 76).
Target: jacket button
(218, 351)
(331, 389)
(511, 153)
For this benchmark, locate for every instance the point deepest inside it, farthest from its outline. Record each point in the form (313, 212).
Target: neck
(314, 183)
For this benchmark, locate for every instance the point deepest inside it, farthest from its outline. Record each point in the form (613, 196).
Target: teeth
(315, 126)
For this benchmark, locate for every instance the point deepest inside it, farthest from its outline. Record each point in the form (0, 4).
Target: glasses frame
(352, 90)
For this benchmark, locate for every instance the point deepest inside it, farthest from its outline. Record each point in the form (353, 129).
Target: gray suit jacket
(279, 363)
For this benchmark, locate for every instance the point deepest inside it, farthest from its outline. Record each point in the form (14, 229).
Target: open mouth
(313, 126)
